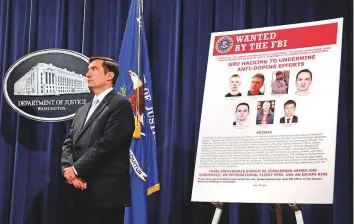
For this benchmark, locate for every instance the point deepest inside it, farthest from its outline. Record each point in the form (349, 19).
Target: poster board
(269, 116)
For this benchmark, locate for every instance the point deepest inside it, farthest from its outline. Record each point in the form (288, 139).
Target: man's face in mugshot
(266, 106)
(242, 112)
(289, 109)
(235, 84)
(280, 76)
(256, 84)
(303, 81)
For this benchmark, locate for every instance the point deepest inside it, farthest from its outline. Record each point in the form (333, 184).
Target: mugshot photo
(234, 86)
(289, 110)
(256, 85)
(303, 81)
(280, 82)
(265, 112)
(241, 114)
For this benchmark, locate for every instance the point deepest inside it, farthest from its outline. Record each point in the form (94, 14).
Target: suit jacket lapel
(83, 115)
(98, 110)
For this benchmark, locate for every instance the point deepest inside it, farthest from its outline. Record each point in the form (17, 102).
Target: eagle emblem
(137, 101)
(137, 98)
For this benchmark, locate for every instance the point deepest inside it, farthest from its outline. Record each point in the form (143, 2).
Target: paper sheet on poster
(269, 116)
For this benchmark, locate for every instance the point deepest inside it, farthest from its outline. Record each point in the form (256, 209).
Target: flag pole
(137, 131)
(139, 40)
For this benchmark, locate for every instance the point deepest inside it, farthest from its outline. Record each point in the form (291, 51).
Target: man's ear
(110, 75)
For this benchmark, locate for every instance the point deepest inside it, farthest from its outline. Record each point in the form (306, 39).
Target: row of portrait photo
(279, 83)
(264, 113)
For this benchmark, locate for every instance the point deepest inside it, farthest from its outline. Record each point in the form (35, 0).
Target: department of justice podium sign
(48, 85)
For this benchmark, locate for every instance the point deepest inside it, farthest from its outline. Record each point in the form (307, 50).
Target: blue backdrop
(178, 35)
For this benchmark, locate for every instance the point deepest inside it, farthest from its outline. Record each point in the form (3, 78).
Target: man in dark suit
(289, 109)
(95, 155)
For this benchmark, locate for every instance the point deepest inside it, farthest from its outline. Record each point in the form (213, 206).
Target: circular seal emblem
(48, 85)
(224, 44)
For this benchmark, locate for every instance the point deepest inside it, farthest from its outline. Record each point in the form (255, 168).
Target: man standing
(279, 84)
(289, 109)
(95, 154)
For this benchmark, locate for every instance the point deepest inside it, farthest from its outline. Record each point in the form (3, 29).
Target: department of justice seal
(48, 85)
(224, 44)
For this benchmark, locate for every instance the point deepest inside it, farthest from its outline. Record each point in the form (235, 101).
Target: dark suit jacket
(99, 151)
(282, 120)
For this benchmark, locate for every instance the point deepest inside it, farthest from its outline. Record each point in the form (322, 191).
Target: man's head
(102, 73)
(235, 83)
(289, 108)
(303, 80)
(242, 111)
(279, 75)
(266, 106)
(256, 83)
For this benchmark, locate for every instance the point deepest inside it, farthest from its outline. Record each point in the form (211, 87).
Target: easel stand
(218, 210)
(279, 214)
(295, 207)
(298, 214)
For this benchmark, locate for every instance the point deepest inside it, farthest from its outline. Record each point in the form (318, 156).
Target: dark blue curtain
(178, 35)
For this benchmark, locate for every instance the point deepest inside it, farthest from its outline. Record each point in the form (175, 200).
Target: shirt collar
(103, 94)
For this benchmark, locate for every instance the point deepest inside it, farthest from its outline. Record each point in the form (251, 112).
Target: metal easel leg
(298, 214)
(279, 214)
(218, 211)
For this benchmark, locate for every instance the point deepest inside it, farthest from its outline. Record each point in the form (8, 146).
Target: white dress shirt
(98, 99)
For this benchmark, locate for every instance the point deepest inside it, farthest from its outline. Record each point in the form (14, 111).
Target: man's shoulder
(119, 100)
